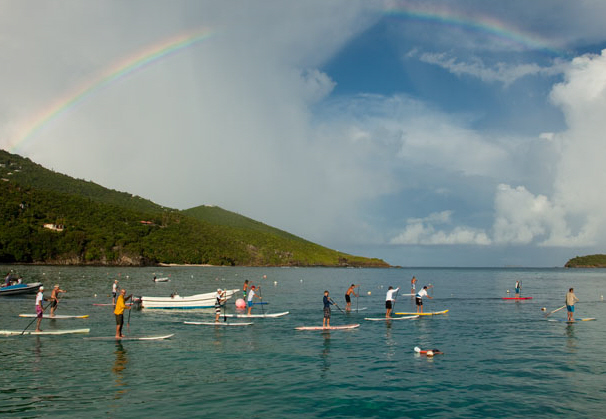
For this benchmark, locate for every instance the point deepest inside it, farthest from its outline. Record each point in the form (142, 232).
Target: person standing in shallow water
(570, 300)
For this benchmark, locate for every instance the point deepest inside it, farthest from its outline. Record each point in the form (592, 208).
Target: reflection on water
(37, 352)
(118, 369)
(324, 355)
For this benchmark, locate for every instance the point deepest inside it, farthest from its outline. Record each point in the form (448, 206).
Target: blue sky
(426, 133)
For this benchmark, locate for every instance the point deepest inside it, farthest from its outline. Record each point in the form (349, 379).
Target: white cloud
(500, 72)
(574, 215)
(424, 231)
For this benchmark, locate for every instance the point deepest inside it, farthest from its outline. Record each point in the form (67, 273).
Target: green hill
(590, 261)
(47, 217)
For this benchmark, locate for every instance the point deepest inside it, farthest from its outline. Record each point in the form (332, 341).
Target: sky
(425, 133)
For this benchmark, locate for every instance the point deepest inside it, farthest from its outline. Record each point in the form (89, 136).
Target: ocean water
(501, 358)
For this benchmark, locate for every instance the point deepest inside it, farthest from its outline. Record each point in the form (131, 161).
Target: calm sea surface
(502, 358)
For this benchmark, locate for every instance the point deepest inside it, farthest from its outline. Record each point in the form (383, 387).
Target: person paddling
(119, 312)
(570, 300)
(413, 284)
(39, 307)
(245, 288)
(390, 300)
(219, 301)
(350, 290)
(419, 298)
(327, 303)
(518, 288)
(114, 291)
(54, 299)
(251, 294)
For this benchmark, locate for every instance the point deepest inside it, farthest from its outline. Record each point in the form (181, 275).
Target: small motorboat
(20, 289)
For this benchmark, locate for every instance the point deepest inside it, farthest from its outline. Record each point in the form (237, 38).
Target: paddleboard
(378, 319)
(219, 323)
(353, 310)
(132, 337)
(586, 319)
(516, 298)
(44, 332)
(56, 316)
(256, 315)
(344, 327)
(161, 280)
(431, 313)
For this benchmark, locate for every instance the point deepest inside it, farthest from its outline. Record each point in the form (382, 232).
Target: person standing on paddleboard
(114, 291)
(413, 284)
(570, 300)
(119, 312)
(327, 302)
(390, 300)
(39, 307)
(245, 288)
(219, 300)
(54, 298)
(350, 291)
(419, 298)
(518, 288)
(251, 294)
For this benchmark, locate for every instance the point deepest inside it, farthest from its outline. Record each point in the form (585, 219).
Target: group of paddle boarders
(250, 292)
(54, 302)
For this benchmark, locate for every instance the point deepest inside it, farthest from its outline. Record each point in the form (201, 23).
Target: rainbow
(481, 24)
(142, 59)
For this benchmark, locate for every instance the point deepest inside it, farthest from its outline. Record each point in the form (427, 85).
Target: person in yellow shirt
(119, 312)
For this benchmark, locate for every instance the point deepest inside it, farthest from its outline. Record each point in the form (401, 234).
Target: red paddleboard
(516, 298)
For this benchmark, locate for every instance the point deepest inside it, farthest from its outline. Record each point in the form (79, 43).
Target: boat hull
(192, 302)
(20, 289)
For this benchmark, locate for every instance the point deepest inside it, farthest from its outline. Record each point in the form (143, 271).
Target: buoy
(301, 280)
(429, 353)
(275, 282)
(543, 309)
(507, 291)
(264, 276)
(95, 295)
(240, 303)
(368, 292)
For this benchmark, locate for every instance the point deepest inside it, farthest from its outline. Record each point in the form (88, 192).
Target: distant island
(50, 218)
(590, 261)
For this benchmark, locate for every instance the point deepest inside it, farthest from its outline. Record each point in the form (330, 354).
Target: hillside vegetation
(47, 217)
(590, 261)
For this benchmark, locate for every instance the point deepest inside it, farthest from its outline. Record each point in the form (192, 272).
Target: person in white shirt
(114, 291)
(251, 294)
(390, 300)
(39, 307)
(419, 298)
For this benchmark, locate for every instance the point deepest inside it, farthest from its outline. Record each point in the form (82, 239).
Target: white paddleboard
(378, 319)
(219, 323)
(44, 332)
(56, 316)
(269, 315)
(586, 319)
(344, 327)
(132, 337)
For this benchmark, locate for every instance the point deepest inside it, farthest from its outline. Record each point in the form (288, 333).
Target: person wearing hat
(54, 299)
(219, 300)
(119, 312)
(251, 294)
(39, 307)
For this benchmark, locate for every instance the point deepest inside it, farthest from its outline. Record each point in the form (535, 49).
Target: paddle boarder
(39, 307)
(390, 300)
(54, 299)
(419, 298)
(518, 288)
(350, 290)
(413, 284)
(327, 302)
(251, 294)
(219, 300)
(570, 300)
(114, 291)
(119, 312)
(245, 288)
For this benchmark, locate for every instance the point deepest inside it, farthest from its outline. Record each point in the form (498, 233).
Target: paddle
(224, 307)
(394, 302)
(261, 298)
(357, 299)
(35, 318)
(557, 309)
(333, 301)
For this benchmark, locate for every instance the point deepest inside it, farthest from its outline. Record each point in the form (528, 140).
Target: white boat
(176, 302)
